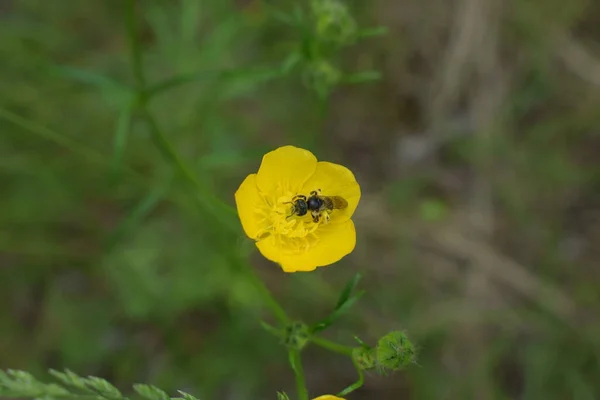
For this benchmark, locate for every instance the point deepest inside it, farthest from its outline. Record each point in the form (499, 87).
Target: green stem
(331, 346)
(134, 46)
(296, 363)
(225, 214)
(355, 385)
(267, 297)
(205, 196)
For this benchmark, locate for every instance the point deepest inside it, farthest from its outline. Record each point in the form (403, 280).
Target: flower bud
(321, 76)
(364, 357)
(395, 351)
(282, 396)
(296, 335)
(334, 23)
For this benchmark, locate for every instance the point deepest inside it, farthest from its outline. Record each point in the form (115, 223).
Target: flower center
(293, 233)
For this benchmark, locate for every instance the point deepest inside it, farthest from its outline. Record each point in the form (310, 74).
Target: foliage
(112, 264)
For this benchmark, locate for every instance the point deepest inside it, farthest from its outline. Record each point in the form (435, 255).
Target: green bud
(296, 335)
(395, 351)
(333, 21)
(364, 357)
(321, 76)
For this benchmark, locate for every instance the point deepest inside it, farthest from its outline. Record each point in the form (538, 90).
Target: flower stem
(332, 346)
(296, 363)
(355, 385)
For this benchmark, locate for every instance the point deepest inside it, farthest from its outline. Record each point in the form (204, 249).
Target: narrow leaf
(338, 312)
(344, 302)
(84, 76)
(103, 387)
(362, 77)
(377, 31)
(150, 392)
(345, 295)
(138, 213)
(120, 139)
(184, 396)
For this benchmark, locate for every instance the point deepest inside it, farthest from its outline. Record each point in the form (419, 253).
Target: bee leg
(315, 218)
(327, 217)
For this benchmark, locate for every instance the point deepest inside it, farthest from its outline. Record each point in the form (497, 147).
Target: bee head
(299, 207)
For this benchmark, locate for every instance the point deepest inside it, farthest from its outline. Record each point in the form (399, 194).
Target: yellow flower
(328, 397)
(297, 243)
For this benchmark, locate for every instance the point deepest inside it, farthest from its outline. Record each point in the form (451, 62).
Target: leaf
(255, 75)
(377, 31)
(362, 77)
(344, 303)
(69, 378)
(350, 286)
(22, 384)
(282, 396)
(271, 329)
(84, 76)
(150, 392)
(138, 213)
(103, 387)
(184, 396)
(120, 138)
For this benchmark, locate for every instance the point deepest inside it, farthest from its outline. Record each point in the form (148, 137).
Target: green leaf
(103, 387)
(362, 77)
(292, 60)
(184, 396)
(271, 329)
(282, 396)
(150, 392)
(255, 75)
(84, 76)
(138, 213)
(69, 378)
(377, 31)
(120, 139)
(350, 286)
(344, 303)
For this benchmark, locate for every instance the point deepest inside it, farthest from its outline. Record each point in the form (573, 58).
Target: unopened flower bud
(364, 357)
(395, 351)
(334, 23)
(321, 76)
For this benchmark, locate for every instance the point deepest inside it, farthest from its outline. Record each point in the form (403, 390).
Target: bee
(320, 205)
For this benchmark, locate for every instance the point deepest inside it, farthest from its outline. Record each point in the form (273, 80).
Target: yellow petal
(248, 201)
(285, 170)
(328, 397)
(335, 241)
(335, 180)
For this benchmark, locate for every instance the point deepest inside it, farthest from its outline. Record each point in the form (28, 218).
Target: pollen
(294, 233)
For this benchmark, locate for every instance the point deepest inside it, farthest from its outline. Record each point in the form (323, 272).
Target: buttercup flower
(328, 397)
(268, 212)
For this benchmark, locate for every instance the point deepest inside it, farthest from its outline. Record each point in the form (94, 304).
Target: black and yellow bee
(318, 205)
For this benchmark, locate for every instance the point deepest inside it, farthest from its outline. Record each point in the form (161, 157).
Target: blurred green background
(478, 230)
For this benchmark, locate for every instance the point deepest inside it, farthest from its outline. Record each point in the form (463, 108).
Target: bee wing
(339, 202)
